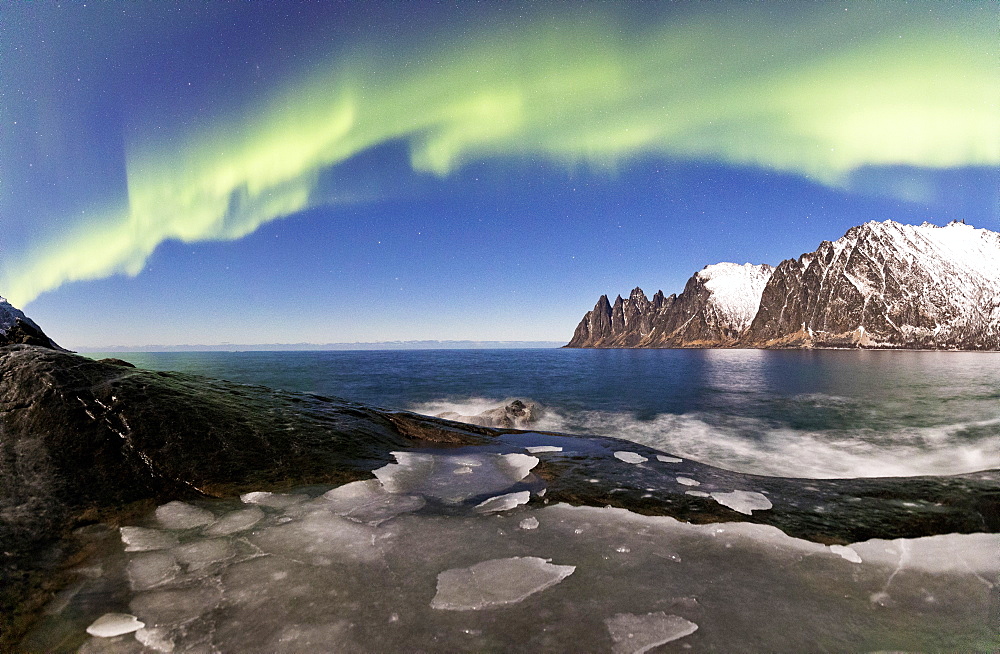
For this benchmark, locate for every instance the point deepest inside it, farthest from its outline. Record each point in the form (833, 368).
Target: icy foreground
(400, 564)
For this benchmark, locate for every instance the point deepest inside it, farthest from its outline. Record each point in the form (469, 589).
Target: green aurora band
(820, 98)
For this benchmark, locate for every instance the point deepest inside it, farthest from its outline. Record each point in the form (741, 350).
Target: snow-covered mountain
(716, 307)
(887, 285)
(15, 327)
(881, 285)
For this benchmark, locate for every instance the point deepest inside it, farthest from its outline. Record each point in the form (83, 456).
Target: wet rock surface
(83, 441)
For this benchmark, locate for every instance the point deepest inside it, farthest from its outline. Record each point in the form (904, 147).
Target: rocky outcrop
(516, 414)
(17, 328)
(714, 310)
(881, 285)
(84, 441)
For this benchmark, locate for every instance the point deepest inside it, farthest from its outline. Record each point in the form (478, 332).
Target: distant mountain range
(881, 285)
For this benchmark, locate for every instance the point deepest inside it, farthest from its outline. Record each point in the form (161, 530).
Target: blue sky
(328, 172)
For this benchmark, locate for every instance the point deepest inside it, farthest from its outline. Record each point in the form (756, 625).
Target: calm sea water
(789, 413)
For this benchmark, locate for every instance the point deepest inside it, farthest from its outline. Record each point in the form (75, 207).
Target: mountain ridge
(883, 285)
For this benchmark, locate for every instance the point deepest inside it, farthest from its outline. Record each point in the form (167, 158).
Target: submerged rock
(517, 414)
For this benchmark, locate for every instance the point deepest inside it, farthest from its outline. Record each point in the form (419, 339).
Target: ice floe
(503, 502)
(180, 515)
(433, 475)
(668, 459)
(745, 502)
(235, 521)
(496, 582)
(630, 457)
(687, 481)
(528, 523)
(368, 501)
(273, 500)
(634, 634)
(543, 449)
(114, 624)
(140, 539)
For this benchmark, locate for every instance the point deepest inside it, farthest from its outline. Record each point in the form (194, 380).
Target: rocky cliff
(881, 285)
(17, 328)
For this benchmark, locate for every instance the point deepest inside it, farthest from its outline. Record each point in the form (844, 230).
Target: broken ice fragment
(846, 552)
(162, 608)
(698, 493)
(199, 553)
(529, 523)
(634, 634)
(630, 457)
(503, 502)
(114, 624)
(140, 539)
(745, 502)
(272, 500)
(235, 522)
(155, 638)
(687, 481)
(541, 449)
(320, 538)
(433, 475)
(668, 459)
(496, 582)
(179, 515)
(149, 569)
(367, 501)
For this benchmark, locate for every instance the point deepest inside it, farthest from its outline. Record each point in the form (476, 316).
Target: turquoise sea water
(792, 413)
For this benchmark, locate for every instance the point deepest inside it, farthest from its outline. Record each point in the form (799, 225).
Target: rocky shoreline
(84, 441)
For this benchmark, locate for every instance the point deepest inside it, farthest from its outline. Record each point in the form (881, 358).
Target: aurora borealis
(150, 149)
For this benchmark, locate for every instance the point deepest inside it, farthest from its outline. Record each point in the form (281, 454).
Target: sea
(791, 413)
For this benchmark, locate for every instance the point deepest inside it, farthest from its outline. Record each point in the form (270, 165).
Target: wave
(756, 446)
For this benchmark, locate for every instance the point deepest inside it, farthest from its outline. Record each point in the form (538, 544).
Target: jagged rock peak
(716, 306)
(17, 328)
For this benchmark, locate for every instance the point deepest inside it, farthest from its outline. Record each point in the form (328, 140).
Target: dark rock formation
(516, 414)
(83, 441)
(714, 310)
(17, 328)
(882, 285)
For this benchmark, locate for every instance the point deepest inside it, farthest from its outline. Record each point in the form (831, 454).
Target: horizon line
(424, 344)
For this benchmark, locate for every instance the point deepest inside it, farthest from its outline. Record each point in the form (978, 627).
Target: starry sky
(286, 172)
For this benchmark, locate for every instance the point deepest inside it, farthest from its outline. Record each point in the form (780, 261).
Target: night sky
(283, 172)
